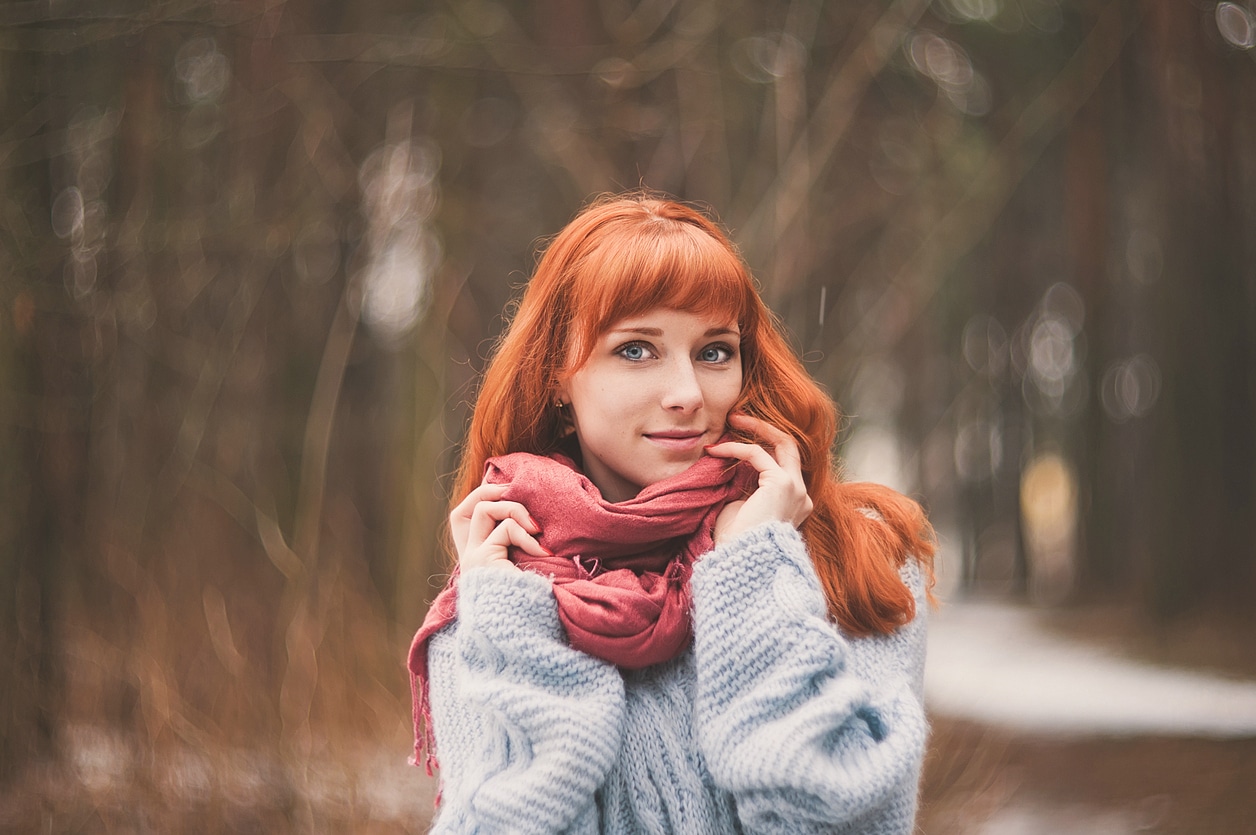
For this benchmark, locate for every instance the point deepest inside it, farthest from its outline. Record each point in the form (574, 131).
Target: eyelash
(726, 350)
(622, 350)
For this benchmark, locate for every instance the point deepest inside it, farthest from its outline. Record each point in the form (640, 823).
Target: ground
(981, 780)
(1043, 761)
(1088, 722)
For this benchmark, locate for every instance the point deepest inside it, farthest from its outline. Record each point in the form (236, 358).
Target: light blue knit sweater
(771, 722)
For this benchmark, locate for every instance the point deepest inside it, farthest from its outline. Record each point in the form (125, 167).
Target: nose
(682, 391)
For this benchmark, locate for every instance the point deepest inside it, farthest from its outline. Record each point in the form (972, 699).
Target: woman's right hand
(484, 526)
(781, 494)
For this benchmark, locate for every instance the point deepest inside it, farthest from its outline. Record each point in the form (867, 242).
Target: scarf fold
(620, 571)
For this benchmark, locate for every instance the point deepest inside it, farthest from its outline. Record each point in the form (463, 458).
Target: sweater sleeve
(526, 727)
(808, 730)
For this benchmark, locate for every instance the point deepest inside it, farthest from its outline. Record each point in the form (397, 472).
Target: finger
(758, 426)
(783, 444)
(460, 516)
(495, 549)
(510, 532)
(487, 515)
(753, 454)
(485, 492)
(761, 429)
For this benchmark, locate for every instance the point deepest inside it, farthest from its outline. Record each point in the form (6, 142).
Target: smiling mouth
(677, 440)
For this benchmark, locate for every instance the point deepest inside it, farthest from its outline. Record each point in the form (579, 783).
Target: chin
(673, 469)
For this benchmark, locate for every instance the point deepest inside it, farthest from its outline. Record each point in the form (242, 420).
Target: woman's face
(654, 391)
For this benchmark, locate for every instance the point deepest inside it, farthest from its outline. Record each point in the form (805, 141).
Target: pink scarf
(620, 571)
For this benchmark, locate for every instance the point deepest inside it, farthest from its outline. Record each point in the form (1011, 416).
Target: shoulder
(913, 575)
(900, 653)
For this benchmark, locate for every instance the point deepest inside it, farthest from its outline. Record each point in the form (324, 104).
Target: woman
(668, 614)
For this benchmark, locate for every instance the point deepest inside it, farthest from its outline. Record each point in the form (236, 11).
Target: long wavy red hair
(624, 255)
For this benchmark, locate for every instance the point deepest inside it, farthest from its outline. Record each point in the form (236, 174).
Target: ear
(566, 417)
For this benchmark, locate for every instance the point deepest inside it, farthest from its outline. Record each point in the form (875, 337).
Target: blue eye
(715, 353)
(634, 351)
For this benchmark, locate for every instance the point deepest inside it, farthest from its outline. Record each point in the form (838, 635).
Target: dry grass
(263, 707)
(215, 714)
(109, 784)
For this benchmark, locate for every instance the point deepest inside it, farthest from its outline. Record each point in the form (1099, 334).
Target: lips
(677, 439)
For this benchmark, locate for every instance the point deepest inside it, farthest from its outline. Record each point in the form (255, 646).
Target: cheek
(727, 395)
(599, 412)
(604, 400)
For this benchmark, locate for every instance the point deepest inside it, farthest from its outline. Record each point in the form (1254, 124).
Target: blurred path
(992, 663)
(1037, 734)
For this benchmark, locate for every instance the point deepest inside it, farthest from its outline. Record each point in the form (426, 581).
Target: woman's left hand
(782, 493)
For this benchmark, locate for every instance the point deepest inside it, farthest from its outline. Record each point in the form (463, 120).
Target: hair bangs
(661, 264)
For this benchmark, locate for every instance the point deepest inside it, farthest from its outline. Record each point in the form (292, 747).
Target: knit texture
(620, 571)
(771, 722)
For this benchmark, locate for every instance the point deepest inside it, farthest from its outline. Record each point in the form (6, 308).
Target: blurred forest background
(253, 254)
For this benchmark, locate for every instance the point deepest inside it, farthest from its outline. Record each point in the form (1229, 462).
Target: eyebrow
(659, 331)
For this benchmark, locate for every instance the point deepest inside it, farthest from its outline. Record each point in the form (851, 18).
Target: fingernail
(535, 525)
(547, 551)
(707, 446)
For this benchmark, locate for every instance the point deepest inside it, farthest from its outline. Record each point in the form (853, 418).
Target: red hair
(624, 255)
